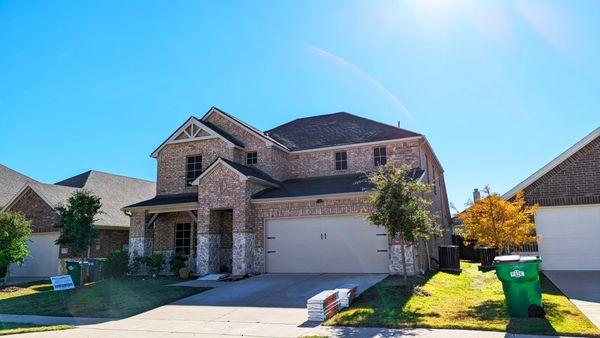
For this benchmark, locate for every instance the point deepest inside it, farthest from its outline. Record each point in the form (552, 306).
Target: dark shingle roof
(116, 191)
(167, 200)
(324, 185)
(334, 130)
(250, 171)
(10, 183)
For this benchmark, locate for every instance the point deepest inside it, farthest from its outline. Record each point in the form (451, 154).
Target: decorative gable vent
(192, 131)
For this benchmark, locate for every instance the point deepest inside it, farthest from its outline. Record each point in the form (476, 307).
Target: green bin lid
(515, 259)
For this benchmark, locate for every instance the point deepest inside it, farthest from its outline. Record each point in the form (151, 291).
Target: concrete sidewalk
(272, 331)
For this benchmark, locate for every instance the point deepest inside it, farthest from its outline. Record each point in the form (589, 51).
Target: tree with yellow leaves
(494, 222)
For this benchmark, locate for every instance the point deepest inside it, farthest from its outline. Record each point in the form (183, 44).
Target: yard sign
(63, 282)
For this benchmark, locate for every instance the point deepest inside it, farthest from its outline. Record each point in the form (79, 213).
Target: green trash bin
(74, 270)
(520, 279)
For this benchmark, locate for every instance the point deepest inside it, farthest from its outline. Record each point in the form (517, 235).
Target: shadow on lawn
(496, 310)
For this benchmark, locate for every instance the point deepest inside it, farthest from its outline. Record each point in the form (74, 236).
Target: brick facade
(230, 229)
(43, 217)
(575, 181)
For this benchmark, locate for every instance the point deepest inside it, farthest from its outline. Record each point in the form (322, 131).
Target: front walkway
(582, 288)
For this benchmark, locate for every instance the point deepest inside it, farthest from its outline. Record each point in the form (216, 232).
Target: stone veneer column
(243, 253)
(140, 238)
(207, 254)
(396, 259)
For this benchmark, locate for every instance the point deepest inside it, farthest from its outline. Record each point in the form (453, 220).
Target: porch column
(243, 243)
(140, 237)
(207, 246)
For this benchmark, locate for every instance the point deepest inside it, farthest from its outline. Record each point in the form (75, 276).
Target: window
(427, 168)
(193, 169)
(251, 158)
(380, 156)
(183, 236)
(341, 160)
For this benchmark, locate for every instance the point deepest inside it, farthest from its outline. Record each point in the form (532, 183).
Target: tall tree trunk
(404, 260)
(6, 276)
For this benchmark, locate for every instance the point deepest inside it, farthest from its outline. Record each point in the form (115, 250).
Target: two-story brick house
(291, 199)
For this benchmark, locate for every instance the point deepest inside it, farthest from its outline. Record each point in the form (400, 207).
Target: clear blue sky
(498, 87)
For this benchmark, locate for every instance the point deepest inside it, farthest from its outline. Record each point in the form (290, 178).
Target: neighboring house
(10, 182)
(292, 199)
(38, 202)
(568, 220)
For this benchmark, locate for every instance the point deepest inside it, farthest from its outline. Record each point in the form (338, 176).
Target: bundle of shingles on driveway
(327, 303)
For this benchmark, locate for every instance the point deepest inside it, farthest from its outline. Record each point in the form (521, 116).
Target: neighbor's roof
(116, 191)
(555, 162)
(324, 185)
(167, 200)
(334, 130)
(10, 183)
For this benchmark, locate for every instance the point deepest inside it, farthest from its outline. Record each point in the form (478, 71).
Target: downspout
(428, 256)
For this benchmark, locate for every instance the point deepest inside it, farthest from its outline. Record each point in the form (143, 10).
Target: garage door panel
(335, 244)
(569, 237)
(43, 258)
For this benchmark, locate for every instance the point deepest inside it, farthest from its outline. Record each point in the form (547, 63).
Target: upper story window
(380, 156)
(434, 180)
(251, 158)
(193, 169)
(341, 160)
(183, 238)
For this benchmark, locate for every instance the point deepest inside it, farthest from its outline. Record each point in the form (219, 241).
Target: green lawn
(471, 300)
(14, 328)
(108, 298)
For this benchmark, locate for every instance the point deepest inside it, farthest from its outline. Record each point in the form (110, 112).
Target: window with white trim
(193, 169)
(341, 160)
(251, 157)
(183, 238)
(379, 156)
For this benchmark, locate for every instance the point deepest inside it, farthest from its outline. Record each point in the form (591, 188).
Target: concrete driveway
(582, 288)
(269, 305)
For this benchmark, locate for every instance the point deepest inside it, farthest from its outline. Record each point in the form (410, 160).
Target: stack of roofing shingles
(346, 294)
(323, 306)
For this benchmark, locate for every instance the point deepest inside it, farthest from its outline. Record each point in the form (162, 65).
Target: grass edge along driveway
(14, 328)
(472, 300)
(111, 298)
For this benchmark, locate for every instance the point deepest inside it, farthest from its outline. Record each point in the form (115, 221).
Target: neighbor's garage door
(43, 257)
(569, 237)
(334, 244)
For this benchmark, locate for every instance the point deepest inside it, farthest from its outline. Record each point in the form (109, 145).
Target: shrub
(116, 264)
(177, 262)
(136, 264)
(155, 263)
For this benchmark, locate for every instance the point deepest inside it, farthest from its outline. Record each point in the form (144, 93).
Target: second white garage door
(569, 237)
(43, 258)
(329, 244)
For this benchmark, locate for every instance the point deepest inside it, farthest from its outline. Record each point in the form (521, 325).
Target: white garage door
(43, 257)
(569, 237)
(333, 244)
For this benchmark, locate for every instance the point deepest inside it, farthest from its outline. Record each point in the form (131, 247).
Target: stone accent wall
(171, 162)
(575, 181)
(207, 254)
(360, 159)
(396, 266)
(243, 253)
(42, 216)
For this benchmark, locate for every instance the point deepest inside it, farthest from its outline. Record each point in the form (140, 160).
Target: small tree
(495, 222)
(77, 223)
(14, 233)
(398, 205)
